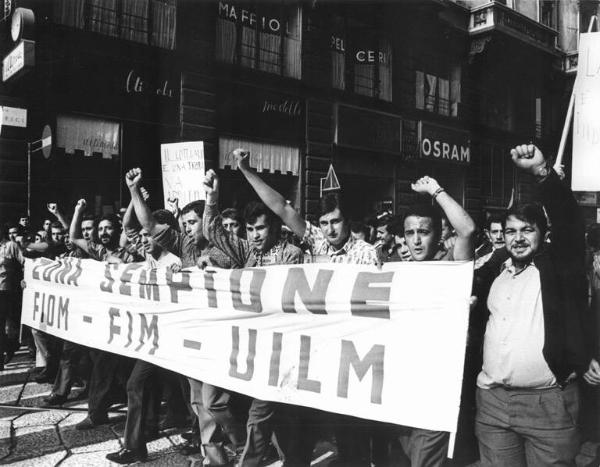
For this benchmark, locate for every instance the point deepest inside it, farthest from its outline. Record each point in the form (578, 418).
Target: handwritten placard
(586, 121)
(182, 171)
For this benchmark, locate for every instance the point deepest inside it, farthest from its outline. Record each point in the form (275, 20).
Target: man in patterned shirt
(330, 242)
(262, 247)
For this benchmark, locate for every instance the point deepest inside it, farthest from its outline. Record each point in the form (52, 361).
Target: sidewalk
(32, 435)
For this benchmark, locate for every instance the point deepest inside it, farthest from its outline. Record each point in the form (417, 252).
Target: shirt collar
(509, 267)
(344, 249)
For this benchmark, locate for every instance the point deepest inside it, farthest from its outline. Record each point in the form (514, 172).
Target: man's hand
(204, 261)
(133, 178)
(211, 186)
(530, 159)
(242, 157)
(173, 206)
(426, 184)
(53, 208)
(81, 204)
(145, 194)
(592, 376)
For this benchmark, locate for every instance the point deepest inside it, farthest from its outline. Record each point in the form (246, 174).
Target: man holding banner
(262, 247)
(422, 230)
(536, 342)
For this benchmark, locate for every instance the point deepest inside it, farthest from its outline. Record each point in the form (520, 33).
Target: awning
(271, 157)
(89, 135)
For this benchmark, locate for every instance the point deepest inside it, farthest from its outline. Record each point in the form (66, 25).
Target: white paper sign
(183, 171)
(586, 120)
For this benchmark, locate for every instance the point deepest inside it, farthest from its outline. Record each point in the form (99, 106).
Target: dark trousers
(108, 370)
(259, 430)
(142, 404)
(67, 368)
(176, 391)
(7, 314)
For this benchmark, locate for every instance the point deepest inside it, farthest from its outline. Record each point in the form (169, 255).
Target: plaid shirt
(353, 251)
(239, 250)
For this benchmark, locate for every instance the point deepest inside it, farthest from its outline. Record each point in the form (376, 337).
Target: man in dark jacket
(535, 341)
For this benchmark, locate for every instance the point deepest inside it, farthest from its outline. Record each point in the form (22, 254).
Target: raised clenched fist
(81, 204)
(242, 157)
(211, 183)
(426, 184)
(529, 158)
(133, 178)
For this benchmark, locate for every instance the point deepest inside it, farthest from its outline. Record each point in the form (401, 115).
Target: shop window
(361, 60)
(548, 13)
(493, 172)
(88, 135)
(438, 94)
(149, 22)
(264, 37)
(497, 109)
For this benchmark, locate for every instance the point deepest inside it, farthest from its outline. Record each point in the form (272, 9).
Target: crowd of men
(535, 296)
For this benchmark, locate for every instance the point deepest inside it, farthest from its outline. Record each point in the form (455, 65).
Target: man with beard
(537, 341)
(108, 368)
(263, 247)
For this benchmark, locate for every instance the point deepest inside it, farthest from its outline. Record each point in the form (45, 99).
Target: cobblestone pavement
(31, 435)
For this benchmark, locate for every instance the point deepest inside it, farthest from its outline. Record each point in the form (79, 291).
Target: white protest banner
(384, 344)
(586, 122)
(182, 171)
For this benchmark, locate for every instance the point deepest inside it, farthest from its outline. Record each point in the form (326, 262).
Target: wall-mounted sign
(14, 116)
(364, 57)
(258, 113)
(366, 129)
(243, 15)
(444, 144)
(136, 83)
(19, 60)
(337, 43)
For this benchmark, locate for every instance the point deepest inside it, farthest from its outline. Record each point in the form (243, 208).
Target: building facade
(386, 92)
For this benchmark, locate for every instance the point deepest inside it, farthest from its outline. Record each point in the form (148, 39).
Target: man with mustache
(108, 368)
(262, 247)
(537, 340)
